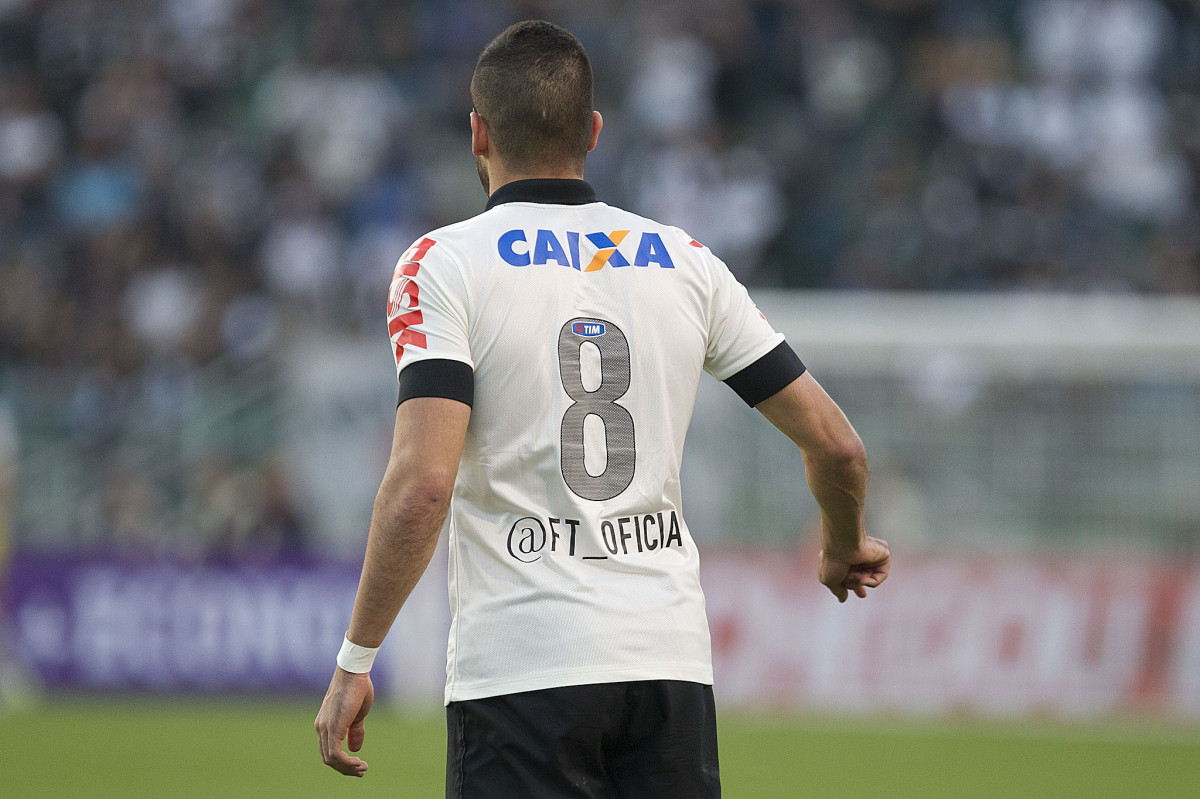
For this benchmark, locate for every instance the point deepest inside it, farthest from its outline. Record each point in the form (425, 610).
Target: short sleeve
(427, 312)
(738, 334)
(744, 350)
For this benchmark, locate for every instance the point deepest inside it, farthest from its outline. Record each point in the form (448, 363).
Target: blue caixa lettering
(518, 248)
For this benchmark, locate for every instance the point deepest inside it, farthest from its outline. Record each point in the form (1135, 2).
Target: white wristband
(356, 659)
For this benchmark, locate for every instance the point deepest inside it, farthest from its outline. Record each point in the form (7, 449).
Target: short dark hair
(533, 87)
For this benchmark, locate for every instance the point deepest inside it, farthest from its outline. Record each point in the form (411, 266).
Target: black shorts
(655, 739)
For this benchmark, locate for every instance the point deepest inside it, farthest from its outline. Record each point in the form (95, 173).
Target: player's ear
(479, 135)
(597, 124)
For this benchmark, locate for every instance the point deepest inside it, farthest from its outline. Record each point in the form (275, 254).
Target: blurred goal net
(996, 420)
(991, 421)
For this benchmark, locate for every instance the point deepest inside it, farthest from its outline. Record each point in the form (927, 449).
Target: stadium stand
(186, 187)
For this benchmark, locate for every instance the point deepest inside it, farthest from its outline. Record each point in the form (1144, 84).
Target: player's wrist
(843, 548)
(356, 659)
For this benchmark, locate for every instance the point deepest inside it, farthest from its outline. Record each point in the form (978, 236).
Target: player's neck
(498, 178)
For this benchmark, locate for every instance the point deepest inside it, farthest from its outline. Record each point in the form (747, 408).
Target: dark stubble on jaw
(481, 168)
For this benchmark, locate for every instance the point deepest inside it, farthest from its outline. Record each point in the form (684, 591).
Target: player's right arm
(835, 464)
(405, 522)
(427, 325)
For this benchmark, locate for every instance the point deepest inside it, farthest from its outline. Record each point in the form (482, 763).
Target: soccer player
(548, 353)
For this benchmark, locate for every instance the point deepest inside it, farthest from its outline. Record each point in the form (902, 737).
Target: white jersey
(586, 329)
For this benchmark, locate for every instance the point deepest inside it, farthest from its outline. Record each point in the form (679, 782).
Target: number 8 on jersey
(613, 347)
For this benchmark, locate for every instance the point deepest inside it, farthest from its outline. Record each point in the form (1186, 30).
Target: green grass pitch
(125, 748)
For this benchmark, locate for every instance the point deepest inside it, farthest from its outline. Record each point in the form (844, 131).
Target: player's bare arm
(836, 467)
(408, 513)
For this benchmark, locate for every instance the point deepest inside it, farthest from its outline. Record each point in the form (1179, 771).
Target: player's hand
(866, 567)
(346, 704)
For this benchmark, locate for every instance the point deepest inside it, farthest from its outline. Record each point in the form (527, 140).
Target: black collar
(560, 191)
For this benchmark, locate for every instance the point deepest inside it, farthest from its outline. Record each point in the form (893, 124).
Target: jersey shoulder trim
(768, 375)
(437, 377)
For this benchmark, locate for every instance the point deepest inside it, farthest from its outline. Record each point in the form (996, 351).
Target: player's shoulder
(645, 232)
(458, 240)
(446, 244)
(639, 222)
(452, 234)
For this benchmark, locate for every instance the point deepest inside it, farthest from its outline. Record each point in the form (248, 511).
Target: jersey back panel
(587, 329)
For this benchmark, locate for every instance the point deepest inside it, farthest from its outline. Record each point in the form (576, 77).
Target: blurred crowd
(194, 182)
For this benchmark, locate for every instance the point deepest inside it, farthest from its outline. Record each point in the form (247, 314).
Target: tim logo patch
(588, 329)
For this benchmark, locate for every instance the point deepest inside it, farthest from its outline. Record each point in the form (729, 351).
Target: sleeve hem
(437, 377)
(767, 376)
(746, 360)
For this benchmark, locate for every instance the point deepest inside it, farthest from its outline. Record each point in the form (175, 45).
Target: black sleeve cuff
(437, 377)
(766, 376)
